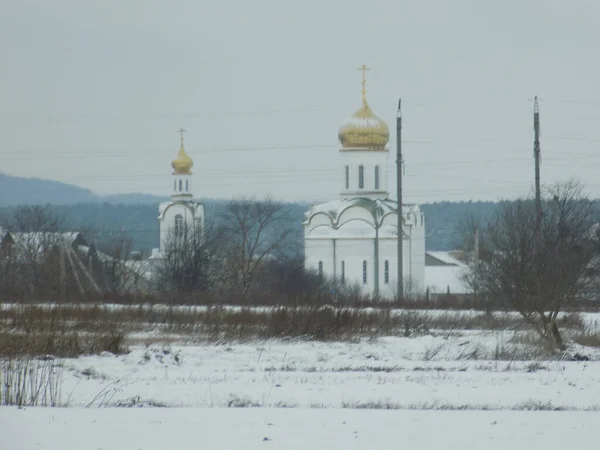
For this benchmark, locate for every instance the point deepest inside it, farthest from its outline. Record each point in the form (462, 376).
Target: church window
(361, 177)
(364, 272)
(376, 177)
(321, 269)
(178, 225)
(187, 185)
(347, 177)
(343, 272)
(386, 272)
(180, 185)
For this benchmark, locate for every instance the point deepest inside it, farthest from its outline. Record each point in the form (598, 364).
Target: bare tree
(121, 270)
(539, 266)
(32, 257)
(185, 264)
(253, 232)
(36, 218)
(41, 258)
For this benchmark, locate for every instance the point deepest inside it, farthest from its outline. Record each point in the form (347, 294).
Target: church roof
(43, 239)
(378, 208)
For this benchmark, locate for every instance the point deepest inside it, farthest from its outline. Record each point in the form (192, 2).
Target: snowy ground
(475, 370)
(293, 429)
(441, 389)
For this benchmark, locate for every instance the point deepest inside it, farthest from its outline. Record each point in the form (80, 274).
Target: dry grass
(60, 344)
(36, 331)
(69, 330)
(586, 338)
(27, 381)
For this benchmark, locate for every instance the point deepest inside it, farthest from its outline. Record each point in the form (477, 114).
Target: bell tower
(182, 179)
(364, 137)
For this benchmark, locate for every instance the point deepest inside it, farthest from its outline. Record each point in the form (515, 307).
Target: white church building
(354, 239)
(182, 212)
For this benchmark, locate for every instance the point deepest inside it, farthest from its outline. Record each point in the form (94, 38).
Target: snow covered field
(471, 371)
(293, 429)
(438, 389)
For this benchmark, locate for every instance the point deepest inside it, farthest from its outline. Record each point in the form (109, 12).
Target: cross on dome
(364, 70)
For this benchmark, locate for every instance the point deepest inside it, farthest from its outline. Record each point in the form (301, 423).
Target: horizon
(156, 197)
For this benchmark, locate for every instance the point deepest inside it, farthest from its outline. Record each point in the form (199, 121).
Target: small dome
(182, 164)
(364, 130)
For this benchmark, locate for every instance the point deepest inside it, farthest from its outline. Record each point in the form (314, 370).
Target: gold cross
(364, 69)
(181, 131)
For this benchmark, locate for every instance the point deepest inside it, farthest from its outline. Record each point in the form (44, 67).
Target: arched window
(187, 185)
(364, 272)
(347, 177)
(178, 225)
(180, 186)
(320, 269)
(386, 272)
(376, 178)
(343, 272)
(361, 177)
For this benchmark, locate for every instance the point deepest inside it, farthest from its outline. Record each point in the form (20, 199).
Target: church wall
(413, 264)
(316, 250)
(353, 252)
(167, 223)
(368, 159)
(182, 185)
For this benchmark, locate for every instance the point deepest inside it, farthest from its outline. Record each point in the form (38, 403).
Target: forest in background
(442, 220)
(136, 214)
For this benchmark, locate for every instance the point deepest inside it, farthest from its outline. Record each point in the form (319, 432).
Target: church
(182, 212)
(354, 239)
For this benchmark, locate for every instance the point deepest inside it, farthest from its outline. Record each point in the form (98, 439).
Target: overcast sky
(92, 92)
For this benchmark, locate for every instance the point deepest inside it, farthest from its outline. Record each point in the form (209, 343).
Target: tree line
(250, 251)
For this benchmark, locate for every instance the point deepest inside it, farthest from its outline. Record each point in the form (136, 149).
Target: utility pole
(537, 156)
(476, 244)
(476, 257)
(399, 195)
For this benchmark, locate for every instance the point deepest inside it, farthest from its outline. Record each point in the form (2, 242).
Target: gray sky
(92, 93)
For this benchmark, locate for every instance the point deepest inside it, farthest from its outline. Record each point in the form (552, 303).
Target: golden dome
(182, 164)
(364, 130)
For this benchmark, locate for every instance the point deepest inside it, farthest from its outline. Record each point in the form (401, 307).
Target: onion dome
(364, 130)
(182, 164)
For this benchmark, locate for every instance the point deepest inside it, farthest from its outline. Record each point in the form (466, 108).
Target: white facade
(355, 239)
(183, 212)
(179, 215)
(373, 167)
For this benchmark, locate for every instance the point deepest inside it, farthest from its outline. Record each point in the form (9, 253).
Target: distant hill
(35, 191)
(31, 191)
(136, 214)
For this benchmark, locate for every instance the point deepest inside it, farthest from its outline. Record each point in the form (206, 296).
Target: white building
(354, 239)
(182, 212)
(444, 272)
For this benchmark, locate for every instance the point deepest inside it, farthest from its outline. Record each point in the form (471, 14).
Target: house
(444, 271)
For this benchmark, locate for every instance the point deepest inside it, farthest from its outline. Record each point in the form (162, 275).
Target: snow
(471, 371)
(445, 257)
(292, 429)
(441, 390)
(439, 278)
